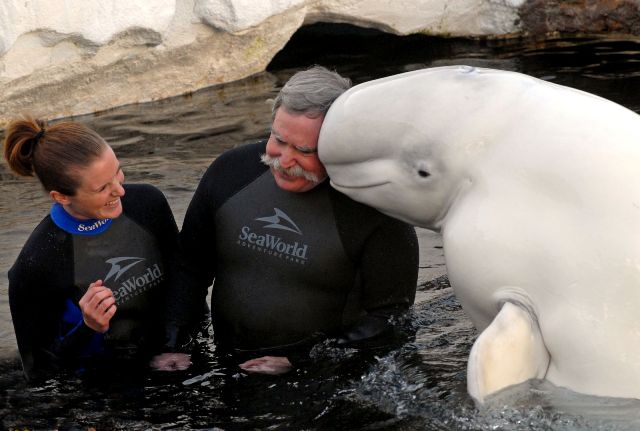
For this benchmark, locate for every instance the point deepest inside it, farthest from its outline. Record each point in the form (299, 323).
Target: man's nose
(287, 157)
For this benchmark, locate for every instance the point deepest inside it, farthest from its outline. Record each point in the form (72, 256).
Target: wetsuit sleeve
(29, 320)
(386, 253)
(75, 337)
(39, 282)
(192, 271)
(195, 268)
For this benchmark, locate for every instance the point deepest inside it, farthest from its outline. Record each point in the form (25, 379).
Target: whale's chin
(341, 187)
(369, 195)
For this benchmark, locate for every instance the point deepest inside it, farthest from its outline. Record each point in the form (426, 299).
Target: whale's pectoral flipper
(509, 351)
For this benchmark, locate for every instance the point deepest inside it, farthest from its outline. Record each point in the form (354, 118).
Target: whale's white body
(536, 190)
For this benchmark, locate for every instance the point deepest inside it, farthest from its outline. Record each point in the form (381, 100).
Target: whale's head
(402, 144)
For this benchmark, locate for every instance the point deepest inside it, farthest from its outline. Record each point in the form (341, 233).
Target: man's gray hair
(311, 92)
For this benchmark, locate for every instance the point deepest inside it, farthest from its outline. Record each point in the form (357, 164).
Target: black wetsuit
(55, 267)
(289, 267)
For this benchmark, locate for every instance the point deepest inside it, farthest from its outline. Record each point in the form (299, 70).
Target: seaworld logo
(136, 284)
(274, 245)
(92, 227)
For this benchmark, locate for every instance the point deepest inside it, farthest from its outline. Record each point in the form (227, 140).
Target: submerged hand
(98, 305)
(267, 365)
(171, 362)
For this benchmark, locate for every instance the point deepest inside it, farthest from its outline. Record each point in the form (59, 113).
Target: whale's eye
(418, 168)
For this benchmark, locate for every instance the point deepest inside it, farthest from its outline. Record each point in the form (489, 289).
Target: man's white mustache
(294, 171)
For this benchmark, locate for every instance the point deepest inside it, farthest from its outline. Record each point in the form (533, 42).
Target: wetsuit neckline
(70, 224)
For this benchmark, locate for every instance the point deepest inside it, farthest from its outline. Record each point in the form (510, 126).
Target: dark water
(420, 385)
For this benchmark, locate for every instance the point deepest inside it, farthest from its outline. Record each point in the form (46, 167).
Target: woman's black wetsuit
(63, 256)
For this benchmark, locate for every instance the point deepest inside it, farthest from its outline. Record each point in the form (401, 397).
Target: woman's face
(100, 190)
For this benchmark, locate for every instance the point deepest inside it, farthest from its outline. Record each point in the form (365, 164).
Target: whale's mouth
(359, 186)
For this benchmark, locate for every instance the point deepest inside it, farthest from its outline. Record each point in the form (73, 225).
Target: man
(292, 260)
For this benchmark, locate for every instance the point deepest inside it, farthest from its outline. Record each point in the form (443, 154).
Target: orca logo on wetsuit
(117, 269)
(276, 221)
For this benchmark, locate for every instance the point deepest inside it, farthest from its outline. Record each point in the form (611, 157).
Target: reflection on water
(170, 143)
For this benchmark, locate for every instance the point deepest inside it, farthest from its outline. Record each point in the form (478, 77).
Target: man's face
(293, 150)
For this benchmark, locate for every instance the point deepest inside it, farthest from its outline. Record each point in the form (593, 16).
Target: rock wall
(607, 16)
(68, 57)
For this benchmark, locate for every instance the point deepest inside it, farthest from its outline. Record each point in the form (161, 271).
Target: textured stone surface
(238, 15)
(68, 57)
(87, 22)
(138, 66)
(581, 16)
(436, 17)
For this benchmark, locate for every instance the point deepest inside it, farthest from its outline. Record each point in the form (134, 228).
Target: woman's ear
(61, 198)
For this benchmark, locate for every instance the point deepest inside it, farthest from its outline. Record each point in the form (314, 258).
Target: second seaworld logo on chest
(274, 245)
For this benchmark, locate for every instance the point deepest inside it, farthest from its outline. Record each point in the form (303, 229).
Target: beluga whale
(535, 188)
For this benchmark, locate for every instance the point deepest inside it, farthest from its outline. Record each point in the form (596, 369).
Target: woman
(89, 284)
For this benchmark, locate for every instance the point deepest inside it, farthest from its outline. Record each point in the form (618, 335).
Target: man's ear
(61, 198)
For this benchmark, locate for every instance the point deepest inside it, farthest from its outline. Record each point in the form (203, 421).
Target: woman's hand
(98, 306)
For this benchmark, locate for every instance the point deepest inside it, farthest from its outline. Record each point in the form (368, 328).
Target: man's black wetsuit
(289, 266)
(63, 256)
